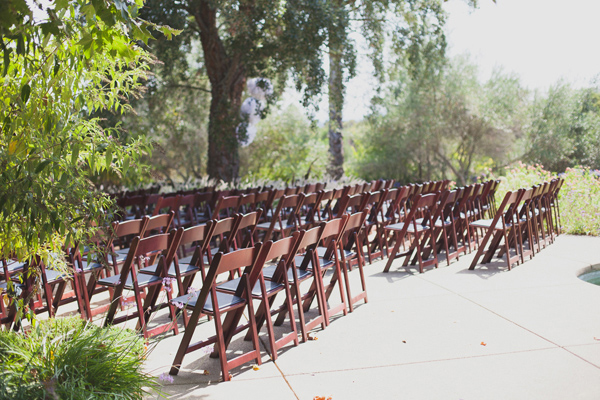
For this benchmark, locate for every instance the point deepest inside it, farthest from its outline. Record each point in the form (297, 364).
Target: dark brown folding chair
(283, 252)
(285, 218)
(226, 207)
(350, 249)
(325, 212)
(183, 270)
(245, 228)
(498, 229)
(309, 212)
(159, 224)
(423, 229)
(211, 302)
(131, 207)
(351, 204)
(120, 236)
(140, 255)
(150, 203)
(554, 206)
(464, 217)
(542, 218)
(411, 225)
(446, 227)
(524, 225)
(375, 247)
(166, 205)
(299, 271)
(247, 203)
(202, 207)
(186, 216)
(328, 257)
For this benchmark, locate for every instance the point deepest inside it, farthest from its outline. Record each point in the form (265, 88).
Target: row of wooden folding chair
(22, 280)
(524, 222)
(427, 224)
(297, 259)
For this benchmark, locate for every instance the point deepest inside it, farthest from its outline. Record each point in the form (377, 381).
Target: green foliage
(579, 201)
(565, 130)
(445, 126)
(68, 358)
(56, 72)
(579, 197)
(520, 176)
(286, 148)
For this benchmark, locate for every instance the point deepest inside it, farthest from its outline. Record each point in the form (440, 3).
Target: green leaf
(56, 66)
(20, 45)
(42, 165)
(61, 4)
(125, 164)
(25, 91)
(108, 157)
(7, 51)
(75, 154)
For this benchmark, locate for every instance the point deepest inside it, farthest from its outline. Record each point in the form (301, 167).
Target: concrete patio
(450, 333)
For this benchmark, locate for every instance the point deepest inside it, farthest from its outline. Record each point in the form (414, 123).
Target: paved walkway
(450, 333)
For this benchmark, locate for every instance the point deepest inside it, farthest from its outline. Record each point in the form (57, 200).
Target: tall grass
(69, 359)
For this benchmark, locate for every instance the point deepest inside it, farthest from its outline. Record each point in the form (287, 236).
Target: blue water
(591, 277)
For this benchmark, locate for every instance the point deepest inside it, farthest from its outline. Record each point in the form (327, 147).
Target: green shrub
(578, 199)
(68, 358)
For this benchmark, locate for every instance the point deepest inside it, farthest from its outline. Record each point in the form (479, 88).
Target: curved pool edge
(594, 274)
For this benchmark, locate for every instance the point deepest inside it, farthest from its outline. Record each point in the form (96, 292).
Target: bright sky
(541, 40)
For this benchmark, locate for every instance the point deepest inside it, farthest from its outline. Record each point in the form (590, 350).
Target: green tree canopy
(83, 57)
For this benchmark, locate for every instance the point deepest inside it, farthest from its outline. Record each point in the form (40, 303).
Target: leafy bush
(578, 199)
(68, 358)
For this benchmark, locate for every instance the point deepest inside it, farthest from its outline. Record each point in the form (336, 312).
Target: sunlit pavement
(450, 333)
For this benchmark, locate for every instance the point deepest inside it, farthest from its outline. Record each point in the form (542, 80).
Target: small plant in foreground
(68, 358)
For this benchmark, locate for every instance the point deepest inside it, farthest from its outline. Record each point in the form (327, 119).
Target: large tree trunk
(336, 104)
(227, 78)
(223, 155)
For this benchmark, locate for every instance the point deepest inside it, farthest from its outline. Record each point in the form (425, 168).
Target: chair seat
(268, 273)
(91, 266)
(325, 263)
(143, 280)
(225, 300)
(232, 285)
(487, 223)
(54, 276)
(186, 260)
(383, 219)
(276, 228)
(120, 258)
(14, 266)
(395, 227)
(184, 269)
(439, 223)
(468, 214)
(419, 228)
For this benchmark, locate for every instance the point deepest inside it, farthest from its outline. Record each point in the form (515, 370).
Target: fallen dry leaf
(255, 367)
(206, 372)
(312, 336)
(483, 343)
